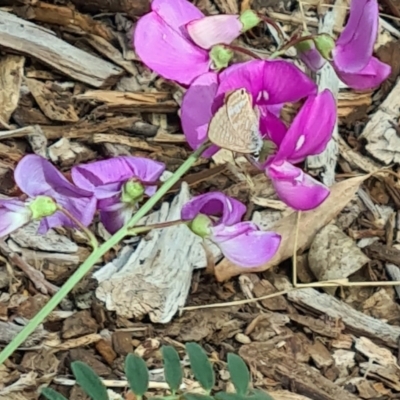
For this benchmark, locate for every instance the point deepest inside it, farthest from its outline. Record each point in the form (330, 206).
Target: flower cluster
(179, 43)
(351, 56)
(222, 103)
(114, 187)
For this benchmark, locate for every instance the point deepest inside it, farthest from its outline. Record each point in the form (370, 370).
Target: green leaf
(240, 374)
(89, 381)
(172, 368)
(196, 396)
(259, 395)
(229, 396)
(137, 374)
(201, 367)
(51, 394)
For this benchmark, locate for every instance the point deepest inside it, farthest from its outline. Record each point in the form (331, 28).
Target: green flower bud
(200, 225)
(305, 46)
(220, 56)
(325, 44)
(42, 206)
(132, 192)
(249, 20)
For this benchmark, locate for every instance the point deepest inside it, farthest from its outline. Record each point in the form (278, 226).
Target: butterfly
(235, 126)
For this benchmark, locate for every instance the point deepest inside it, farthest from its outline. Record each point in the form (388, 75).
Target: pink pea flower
(118, 184)
(218, 217)
(179, 43)
(14, 214)
(352, 56)
(47, 188)
(308, 134)
(271, 84)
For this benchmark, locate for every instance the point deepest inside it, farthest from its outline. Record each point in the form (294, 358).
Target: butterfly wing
(235, 125)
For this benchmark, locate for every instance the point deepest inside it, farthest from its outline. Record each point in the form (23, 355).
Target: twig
(333, 283)
(296, 240)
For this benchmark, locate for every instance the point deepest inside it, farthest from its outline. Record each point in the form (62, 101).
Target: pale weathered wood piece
(8, 331)
(155, 278)
(27, 236)
(383, 140)
(30, 39)
(355, 321)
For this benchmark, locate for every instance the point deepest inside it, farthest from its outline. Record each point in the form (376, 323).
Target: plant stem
(145, 228)
(92, 239)
(242, 50)
(288, 45)
(95, 256)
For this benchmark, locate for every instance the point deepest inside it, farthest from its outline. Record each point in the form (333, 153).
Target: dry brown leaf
(311, 222)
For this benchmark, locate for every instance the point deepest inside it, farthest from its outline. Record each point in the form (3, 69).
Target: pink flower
(308, 134)
(37, 177)
(269, 82)
(118, 184)
(14, 214)
(179, 43)
(352, 56)
(218, 218)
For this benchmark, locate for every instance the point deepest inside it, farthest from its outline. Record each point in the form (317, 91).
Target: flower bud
(42, 206)
(200, 225)
(325, 44)
(220, 56)
(310, 55)
(249, 20)
(132, 192)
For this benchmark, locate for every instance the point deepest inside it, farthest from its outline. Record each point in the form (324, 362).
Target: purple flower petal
(105, 178)
(311, 129)
(244, 244)
(176, 13)
(369, 77)
(271, 127)
(116, 217)
(36, 176)
(295, 188)
(269, 82)
(227, 208)
(167, 51)
(196, 111)
(216, 29)
(313, 59)
(356, 42)
(13, 215)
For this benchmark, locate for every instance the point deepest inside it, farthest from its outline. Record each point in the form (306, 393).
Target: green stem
(288, 45)
(239, 49)
(145, 228)
(92, 239)
(95, 256)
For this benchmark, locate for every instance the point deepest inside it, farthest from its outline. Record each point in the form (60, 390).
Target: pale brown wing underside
(235, 126)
